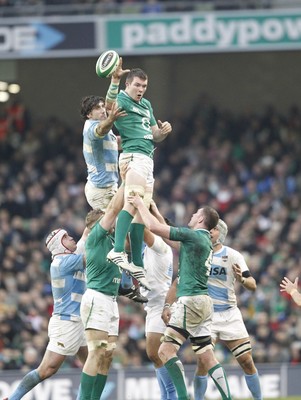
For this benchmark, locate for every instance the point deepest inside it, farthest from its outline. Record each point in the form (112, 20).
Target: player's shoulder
(89, 128)
(97, 232)
(65, 262)
(232, 252)
(122, 96)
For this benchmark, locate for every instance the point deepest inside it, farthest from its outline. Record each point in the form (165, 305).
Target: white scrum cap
(54, 242)
(223, 230)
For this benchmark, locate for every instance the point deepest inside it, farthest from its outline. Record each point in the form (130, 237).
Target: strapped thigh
(129, 190)
(97, 344)
(241, 349)
(201, 344)
(170, 337)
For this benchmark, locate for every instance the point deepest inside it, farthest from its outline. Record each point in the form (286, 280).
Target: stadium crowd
(245, 165)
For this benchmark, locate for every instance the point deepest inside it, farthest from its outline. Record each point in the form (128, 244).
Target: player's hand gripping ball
(107, 63)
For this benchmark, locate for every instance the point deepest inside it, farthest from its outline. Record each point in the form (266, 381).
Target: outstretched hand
(288, 286)
(119, 72)
(116, 112)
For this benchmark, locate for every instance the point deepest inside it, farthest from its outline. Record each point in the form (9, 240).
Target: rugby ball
(107, 63)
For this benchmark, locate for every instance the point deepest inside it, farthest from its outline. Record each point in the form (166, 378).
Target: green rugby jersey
(194, 260)
(102, 275)
(135, 128)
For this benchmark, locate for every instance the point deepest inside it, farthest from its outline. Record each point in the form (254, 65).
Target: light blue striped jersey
(222, 280)
(101, 156)
(68, 283)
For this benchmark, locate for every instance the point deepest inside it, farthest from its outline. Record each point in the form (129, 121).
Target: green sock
(99, 385)
(136, 240)
(219, 377)
(176, 371)
(86, 386)
(122, 227)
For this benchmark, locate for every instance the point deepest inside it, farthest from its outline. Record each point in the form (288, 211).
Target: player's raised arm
(114, 86)
(149, 220)
(105, 126)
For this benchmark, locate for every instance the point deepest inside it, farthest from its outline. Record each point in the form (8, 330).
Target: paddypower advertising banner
(210, 32)
(86, 36)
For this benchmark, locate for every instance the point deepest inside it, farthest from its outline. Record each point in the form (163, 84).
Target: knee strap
(201, 344)
(241, 349)
(169, 337)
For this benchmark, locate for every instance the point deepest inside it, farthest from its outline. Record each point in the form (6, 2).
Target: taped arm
(112, 92)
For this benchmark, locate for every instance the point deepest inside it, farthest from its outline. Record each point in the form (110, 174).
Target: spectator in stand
(151, 7)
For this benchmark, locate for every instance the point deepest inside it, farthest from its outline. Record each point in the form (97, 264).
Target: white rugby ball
(107, 63)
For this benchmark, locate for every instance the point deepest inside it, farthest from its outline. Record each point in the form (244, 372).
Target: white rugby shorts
(100, 312)
(193, 314)
(99, 198)
(65, 337)
(153, 320)
(141, 164)
(228, 325)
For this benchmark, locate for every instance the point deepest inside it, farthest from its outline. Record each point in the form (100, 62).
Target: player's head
(205, 218)
(92, 217)
(59, 242)
(136, 73)
(90, 103)
(211, 217)
(136, 83)
(222, 230)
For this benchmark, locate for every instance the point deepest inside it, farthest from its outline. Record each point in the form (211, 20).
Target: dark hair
(211, 217)
(136, 72)
(92, 217)
(88, 103)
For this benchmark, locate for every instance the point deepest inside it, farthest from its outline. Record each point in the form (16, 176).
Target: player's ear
(201, 219)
